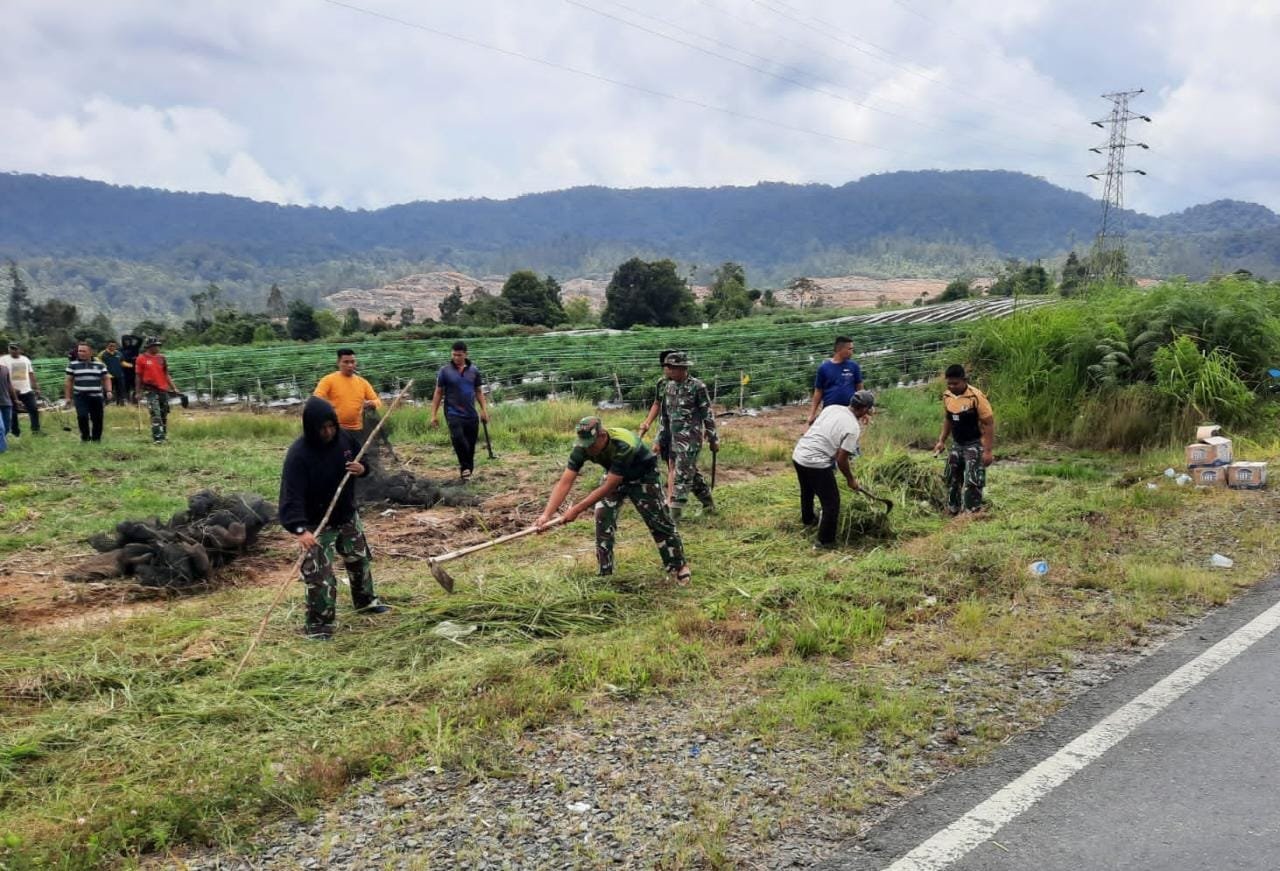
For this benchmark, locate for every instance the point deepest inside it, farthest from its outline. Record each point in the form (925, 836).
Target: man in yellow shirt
(967, 418)
(347, 392)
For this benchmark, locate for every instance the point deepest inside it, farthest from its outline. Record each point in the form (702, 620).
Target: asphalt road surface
(1173, 766)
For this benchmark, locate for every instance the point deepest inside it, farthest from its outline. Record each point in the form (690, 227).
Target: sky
(375, 102)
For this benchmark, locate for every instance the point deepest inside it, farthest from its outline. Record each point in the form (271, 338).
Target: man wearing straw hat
(313, 468)
(631, 473)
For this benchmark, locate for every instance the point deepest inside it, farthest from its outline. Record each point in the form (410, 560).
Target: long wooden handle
(511, 536)
(324, 521)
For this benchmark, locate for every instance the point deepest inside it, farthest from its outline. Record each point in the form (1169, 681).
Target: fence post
(618, 387)
(742, 390)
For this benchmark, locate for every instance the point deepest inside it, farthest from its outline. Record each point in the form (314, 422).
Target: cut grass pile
(127, 737)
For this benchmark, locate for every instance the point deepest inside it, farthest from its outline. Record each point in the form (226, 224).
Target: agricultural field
(542, 715)
(776, 358)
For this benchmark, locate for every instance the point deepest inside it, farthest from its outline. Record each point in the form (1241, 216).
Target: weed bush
(1128, 369)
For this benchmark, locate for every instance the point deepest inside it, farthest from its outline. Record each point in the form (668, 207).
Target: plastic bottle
(1218, 561)
(1039, 568)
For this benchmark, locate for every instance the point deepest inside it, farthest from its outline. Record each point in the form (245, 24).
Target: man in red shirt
(152, 376)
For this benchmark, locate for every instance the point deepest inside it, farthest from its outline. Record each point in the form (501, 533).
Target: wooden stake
(324, 521)
(742, 390)
(618, 386)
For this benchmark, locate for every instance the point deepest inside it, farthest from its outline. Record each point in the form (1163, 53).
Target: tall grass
(1124, 368)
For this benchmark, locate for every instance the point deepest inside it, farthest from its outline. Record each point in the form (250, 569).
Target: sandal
(683, 576)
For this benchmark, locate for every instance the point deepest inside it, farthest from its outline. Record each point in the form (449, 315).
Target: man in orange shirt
(347, 392)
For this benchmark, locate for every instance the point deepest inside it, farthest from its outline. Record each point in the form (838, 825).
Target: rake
(445, 580)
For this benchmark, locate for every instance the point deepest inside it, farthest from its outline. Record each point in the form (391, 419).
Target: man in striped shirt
(88, 385)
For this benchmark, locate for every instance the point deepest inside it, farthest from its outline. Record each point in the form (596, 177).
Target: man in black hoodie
(313, 468)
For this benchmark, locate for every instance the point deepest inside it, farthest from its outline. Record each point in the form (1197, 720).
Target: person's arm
(31, 373)
(371, 399)
(946, 431)
(815, 406)
(557, 497)
(293, 500)
(648, 421)
(322, 389)
(435, 405)
(611, 482)
(857, 380)
(173, 388)
(842, 463)
(106, 383)
(480, 400)
(66, 390)
(988, 428)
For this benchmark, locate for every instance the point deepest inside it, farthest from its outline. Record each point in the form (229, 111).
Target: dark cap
(152, 340)
(863, 399)
(588, 430)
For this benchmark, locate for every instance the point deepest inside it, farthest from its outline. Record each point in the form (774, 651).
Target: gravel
(671, 782)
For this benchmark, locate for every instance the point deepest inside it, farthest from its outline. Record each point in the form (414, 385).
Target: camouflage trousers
(649, 500)
(966, 476)
(684, 462)
(158, 405)
(347, 541)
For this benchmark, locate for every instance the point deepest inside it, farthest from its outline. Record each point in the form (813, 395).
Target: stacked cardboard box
(1210, 463)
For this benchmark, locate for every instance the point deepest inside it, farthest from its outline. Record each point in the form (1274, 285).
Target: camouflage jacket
(686, 410)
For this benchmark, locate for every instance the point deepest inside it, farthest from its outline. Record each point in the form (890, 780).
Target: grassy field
(125, 735)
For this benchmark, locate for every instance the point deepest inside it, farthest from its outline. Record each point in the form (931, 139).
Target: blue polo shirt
(459, 390)
(838, 382)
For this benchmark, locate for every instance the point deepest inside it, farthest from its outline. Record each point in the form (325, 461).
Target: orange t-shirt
(347, 395)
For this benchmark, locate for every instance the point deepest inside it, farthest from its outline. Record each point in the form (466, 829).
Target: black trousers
(463, 434)
(29, 403)
(820, 483)
(89, 416)
(129, 384)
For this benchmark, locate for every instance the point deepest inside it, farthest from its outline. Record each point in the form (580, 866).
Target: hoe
(446, 581)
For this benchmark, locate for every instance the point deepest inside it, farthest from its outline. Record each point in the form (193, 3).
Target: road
(1174, 765)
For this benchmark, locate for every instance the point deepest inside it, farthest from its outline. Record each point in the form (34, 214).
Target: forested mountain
(142, 252)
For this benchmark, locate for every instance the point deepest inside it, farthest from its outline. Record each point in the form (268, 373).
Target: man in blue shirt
(459, 384)
(837, 380)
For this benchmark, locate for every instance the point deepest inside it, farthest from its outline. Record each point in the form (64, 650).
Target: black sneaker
(374, 607)
(319, 632)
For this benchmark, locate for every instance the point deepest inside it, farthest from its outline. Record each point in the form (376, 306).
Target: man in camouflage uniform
(661, 444)
(631, 473)
(686, 414)
(313, 469)
(967, 418)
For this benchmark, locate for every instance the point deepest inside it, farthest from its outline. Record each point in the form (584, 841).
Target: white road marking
(984, 820)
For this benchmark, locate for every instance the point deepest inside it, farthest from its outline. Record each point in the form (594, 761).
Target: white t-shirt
(835, 428)
(19, 371)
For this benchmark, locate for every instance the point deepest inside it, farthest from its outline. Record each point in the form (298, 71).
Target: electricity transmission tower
(1109, 260)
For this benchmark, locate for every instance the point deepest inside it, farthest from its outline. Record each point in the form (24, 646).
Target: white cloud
(180, 147)
(305, 101)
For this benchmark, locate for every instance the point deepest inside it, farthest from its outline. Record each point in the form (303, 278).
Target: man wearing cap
(837, 379)
(829, 444)
(23, 376)
(631, 473)
(686, 414)
(968, 419)
(663, 441)
(151, 371)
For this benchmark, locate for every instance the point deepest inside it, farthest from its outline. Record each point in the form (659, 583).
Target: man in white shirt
(23, 376)
(829, 443)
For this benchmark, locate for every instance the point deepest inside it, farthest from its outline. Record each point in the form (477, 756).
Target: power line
(763, 71)
(475, 43)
